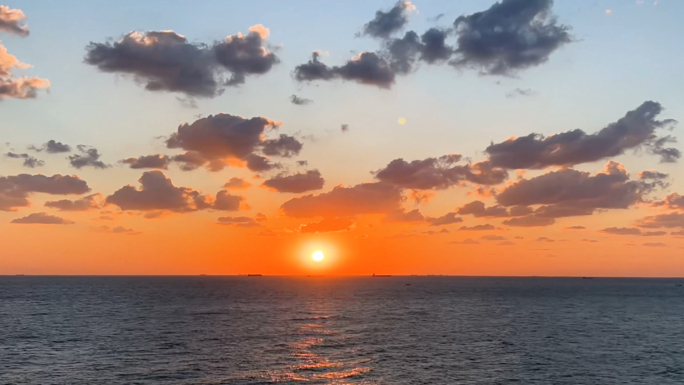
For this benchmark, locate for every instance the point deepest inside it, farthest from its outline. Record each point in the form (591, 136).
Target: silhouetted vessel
(381, 275)
(254, 275)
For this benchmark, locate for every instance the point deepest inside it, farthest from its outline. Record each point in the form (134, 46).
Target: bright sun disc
(317, 256)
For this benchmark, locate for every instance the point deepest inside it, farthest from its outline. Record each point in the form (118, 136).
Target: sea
(340, 330)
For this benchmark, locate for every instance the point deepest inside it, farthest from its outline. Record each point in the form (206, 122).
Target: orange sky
(244, 145)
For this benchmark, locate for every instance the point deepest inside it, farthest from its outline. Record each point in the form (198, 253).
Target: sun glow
(317, 256)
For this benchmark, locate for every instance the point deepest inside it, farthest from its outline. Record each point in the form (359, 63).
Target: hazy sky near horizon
(185, 138)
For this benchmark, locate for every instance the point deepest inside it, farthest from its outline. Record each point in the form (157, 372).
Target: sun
(317, 256)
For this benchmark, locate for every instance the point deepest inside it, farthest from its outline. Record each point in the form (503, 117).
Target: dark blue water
(261, 330)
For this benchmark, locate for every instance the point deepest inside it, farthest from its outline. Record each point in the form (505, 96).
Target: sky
(520, 137)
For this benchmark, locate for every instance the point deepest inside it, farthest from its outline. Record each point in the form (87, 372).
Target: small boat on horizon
(254, 275)
(381, 275)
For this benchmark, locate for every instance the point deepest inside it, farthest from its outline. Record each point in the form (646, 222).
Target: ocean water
(263, 330)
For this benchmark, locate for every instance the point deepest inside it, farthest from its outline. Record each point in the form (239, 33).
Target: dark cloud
(259, 163)
(445, 219)
(405, 216)
(285, 146)
(485, 227)
(296, 100)
(511, 35)
(368, 68)
(575, 228)
(213, 140)
(672, 201)
(622, 231)
(236, 184)
(158, 194)
(239, 221)
(17, 87)
(437, 173)
(297, 183)
(14, 190)
(166, 61)
(302, 163)
(52, 147)
(327, 225)
(13, 21)
(532, 220)
(365, 198)
(635, 130)
(671, 220)
(156, 161)
(228, 202)
(88, 157)
(477, 209)
(42, 219)
(344, 127)
(29, 161)
(654, 233)
(653, 175)
(570, 191)
(386, 23)
(83, 204)
(654, 244)
(544, 239)
(404, 53)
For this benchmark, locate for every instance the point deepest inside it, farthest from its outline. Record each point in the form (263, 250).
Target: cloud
(285, 146)
(14, 87)
(297, 183)
(671, 220)
(672, 201)
(520, 92)
(88, 157)
(239, 221)
(637, 129)
(156, 161)
(530, 221)
(14, 190)
(166, 61)
(405, 216)
(42, 219)
(237, 184)
(116, 230)
(367, 68)
(575, 228)
(365, 198)
(484, 227)
(653, 175)
(544, 239)
(431, 48)
(83, 204)
(654, 233)
(622, 231)
(215, 139)
(571, 192)
(29, 161)
(445, 219)
(511, 35)
(344, 127)
(387, 23)
(228, 202)
(467, 241)
(158, 194)
(477, 209)
(296, 100)
(492, 237)
(52, 147)
(13, 21)
(437, 173)
(654, 244)
(327, 225)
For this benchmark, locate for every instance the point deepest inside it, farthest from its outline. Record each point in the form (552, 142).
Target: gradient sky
(575, 204)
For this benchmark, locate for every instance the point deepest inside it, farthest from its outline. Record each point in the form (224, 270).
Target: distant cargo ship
(254, 275)
(381, 275)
